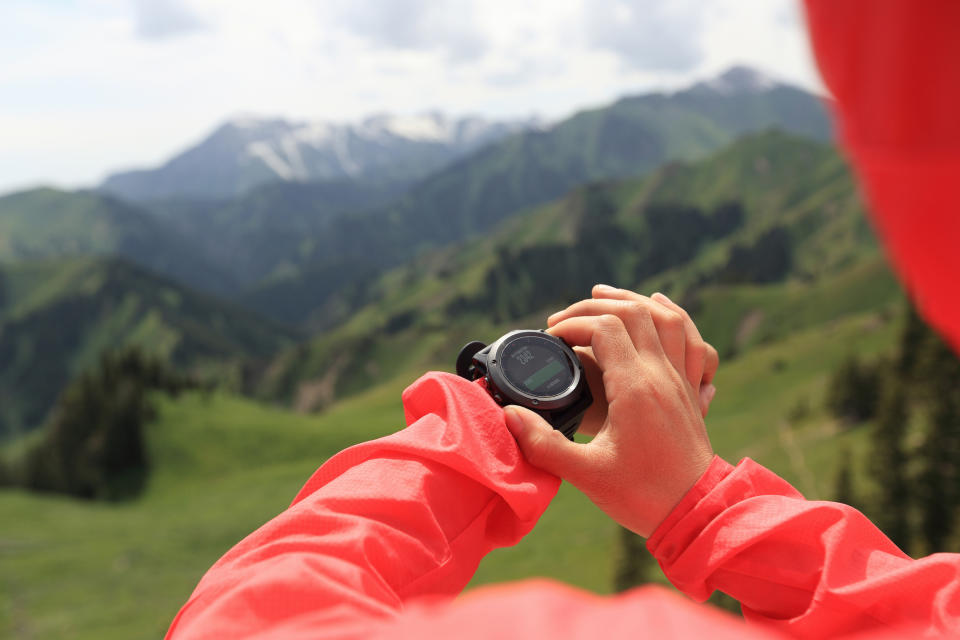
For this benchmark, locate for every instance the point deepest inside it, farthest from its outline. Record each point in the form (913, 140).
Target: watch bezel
(518, 396)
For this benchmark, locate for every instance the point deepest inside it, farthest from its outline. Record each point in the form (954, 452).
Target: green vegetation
(915, 453)
(43, 224)
(683, 230)
(471, 197)
(764, 242)
(93, 446)
(58, 316)
(223, 466)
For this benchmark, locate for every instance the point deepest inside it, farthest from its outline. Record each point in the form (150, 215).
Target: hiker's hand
(700, 360)
(652, 446)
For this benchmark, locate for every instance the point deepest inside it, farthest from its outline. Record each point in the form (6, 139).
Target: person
(385, 534)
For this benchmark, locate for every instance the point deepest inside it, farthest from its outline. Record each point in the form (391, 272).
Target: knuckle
(638, 309)
(534, 448)
(610, 323)
(697, 351)
(712, 354)
(673, 321)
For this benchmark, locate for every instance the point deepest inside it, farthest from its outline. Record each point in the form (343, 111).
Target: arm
(408, 515)
(811, 569)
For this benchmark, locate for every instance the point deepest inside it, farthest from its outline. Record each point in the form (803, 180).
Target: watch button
(498, 398)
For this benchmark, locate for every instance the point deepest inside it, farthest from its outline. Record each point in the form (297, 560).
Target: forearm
(812, 569)
(408, 515)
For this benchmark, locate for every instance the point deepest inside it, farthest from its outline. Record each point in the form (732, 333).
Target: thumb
(542, 445)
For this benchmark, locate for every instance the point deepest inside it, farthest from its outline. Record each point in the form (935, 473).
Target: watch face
(537, 366)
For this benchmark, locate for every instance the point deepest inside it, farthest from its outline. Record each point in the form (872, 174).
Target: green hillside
(223, 466)
(49, 223)
(628, 138)
(764, 242)
(771, 221)
(268, 231)
(57, 316)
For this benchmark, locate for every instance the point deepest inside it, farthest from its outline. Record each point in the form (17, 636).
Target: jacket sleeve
(408, 515)
(810, 569)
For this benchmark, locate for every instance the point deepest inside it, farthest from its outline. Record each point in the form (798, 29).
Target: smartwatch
(532, 369)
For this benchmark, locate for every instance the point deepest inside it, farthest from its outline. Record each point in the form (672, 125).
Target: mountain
(246, 152)
(57, 316)
(49, 223)
(764, 238)
(628, 138)
(267, 231)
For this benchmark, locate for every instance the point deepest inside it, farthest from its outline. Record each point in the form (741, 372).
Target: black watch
(532, 369)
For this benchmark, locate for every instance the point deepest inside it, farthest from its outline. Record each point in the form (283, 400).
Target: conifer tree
(853, 391)
(843, 482)
(632, 561)
(889, 462)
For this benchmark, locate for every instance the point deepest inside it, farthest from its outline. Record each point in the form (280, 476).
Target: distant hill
(57, 316)
(247, 152)
(49, 223)
(629, 138)
(761, 239)
(268, 231)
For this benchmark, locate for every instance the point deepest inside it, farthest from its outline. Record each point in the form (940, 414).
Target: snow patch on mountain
(739, 79)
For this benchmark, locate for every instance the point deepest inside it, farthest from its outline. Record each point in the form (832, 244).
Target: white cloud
(648, 34)
(159, 19)
(85, 90)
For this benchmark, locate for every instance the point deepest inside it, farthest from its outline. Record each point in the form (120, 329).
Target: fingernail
(603, 287)
(658, 294)
(550, 319)
(711, 392)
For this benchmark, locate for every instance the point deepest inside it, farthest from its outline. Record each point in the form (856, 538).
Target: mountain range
(244, 153)
(317, 257)
(771, 221)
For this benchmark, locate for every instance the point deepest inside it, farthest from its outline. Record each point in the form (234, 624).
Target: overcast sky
(91, 86)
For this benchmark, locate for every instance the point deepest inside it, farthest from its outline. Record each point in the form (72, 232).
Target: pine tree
(933, 372)
(889, 462)
(843, 482)
(853, 391)
(632, 561)
(94, 443)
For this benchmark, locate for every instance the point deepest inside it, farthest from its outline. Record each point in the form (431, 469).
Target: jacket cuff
(682, 524)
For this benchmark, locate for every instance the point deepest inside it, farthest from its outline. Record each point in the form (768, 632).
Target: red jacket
(386, 533)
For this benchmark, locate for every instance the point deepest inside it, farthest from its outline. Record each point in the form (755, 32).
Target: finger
(691, 333)
(621, 366)
(606, 334)
(636, 312)
(545, 447)
(710, 365)
(696, 357)
(593, 419)
(606, 291)
(707, 393)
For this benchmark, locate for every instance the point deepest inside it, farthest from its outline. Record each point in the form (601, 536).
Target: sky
(92, 86)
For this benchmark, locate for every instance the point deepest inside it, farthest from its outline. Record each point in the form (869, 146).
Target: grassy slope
(59, 315)
(43, 224)
(781, 181)
(225, 465)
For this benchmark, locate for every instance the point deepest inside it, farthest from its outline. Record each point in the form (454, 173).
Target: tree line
(93, 444)
(913, 402)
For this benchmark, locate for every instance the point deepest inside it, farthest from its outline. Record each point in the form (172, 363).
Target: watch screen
(537, 366)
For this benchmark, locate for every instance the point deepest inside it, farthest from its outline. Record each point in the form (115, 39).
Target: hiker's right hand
(699, 357)
(652, 446)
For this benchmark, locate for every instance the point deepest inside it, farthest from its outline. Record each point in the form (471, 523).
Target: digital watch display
(532, 369)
